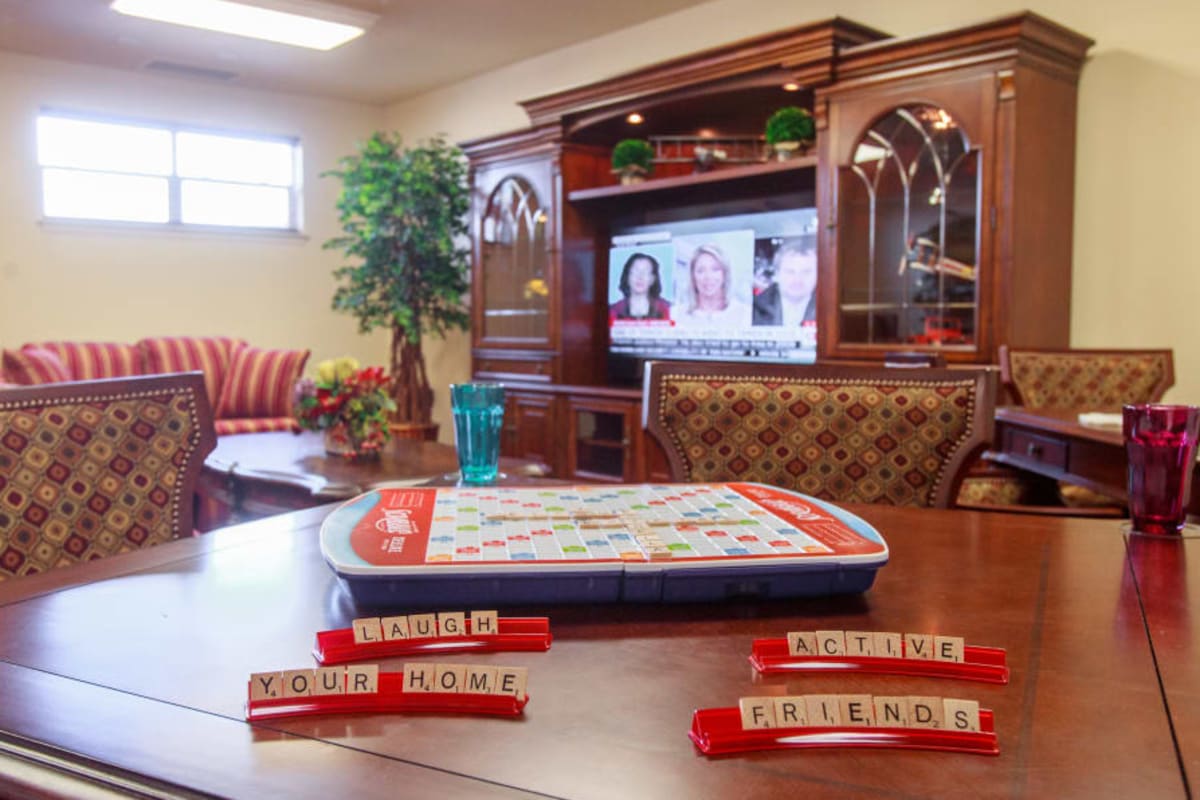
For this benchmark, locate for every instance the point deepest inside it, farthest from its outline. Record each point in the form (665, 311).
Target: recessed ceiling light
(635, 119)
(302, 23)
(791, 86)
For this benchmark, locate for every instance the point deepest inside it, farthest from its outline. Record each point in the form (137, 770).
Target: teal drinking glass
(478, 414)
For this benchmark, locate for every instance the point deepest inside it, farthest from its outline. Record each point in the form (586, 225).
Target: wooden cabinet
(948, 225)
(943, 181)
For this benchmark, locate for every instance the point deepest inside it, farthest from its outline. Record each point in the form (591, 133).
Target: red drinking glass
(1160, 442)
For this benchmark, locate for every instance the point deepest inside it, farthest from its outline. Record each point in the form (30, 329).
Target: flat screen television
(723, 288)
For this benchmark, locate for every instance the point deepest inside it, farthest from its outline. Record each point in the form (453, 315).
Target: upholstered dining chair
(1086, 379)
(864, 434)
(89, 469)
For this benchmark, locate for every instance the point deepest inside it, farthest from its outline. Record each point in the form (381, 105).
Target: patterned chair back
(90, 469)
(1086, 378)
(860, 434)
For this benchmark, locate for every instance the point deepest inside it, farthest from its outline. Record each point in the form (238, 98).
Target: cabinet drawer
(1029, 446)
(527, 370)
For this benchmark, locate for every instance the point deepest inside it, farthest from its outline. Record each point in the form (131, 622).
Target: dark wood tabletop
(134, 669)
(253, 475)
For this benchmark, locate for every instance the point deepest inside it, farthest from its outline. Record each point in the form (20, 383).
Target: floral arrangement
(350, 403)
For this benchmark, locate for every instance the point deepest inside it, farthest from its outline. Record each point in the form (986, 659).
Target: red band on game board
(816, 522)
(396, 530)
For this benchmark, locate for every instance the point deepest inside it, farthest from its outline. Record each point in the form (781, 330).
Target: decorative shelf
(715, 176)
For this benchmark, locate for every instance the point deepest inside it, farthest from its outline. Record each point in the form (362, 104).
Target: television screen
(721, 288)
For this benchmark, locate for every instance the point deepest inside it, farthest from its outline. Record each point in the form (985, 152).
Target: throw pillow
(208, 354)
(32, 366)
(260, 383)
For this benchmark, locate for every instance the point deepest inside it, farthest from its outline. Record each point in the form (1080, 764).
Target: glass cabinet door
(908, 242)
(515, 260)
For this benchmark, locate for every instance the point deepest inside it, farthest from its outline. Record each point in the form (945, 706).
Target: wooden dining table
(131, 673)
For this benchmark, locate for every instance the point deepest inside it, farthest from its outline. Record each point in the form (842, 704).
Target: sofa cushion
(260, 383)
(208, 354)
(86, 361)
(226, 427)
(33, 365)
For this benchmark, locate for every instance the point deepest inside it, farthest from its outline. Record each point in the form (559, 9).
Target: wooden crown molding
(801, 50)
(1028, 36)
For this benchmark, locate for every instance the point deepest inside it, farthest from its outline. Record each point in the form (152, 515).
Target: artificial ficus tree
(403, 212)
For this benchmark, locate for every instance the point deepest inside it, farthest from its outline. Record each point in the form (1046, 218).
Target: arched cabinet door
(908, 255)
(514, 277)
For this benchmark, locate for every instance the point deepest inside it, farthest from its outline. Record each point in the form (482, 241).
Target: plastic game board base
(679, 585)
(718, 731)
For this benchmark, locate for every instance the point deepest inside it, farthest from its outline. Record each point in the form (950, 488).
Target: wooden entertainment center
(943, 178)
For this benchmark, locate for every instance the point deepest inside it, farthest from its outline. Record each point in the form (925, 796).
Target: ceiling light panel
(303, 24)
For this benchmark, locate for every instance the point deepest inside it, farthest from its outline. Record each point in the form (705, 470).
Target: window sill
(170, 229)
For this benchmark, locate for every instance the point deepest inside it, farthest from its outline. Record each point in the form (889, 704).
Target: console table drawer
(1029, 446)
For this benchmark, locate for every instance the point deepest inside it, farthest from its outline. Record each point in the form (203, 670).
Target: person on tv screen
(709, 299)
(642, 289)
(792, 299)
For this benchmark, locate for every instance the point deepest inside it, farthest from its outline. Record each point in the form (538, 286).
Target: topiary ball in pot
(633, 159)
(789, 129)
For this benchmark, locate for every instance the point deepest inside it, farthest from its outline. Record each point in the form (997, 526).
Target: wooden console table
(1051, 442)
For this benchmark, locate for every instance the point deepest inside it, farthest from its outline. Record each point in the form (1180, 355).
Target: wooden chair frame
(953, 469)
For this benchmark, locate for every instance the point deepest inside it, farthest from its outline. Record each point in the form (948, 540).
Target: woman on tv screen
(641, 287)
(709, 299)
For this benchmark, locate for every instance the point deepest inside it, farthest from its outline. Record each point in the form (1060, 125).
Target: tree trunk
(410, 381)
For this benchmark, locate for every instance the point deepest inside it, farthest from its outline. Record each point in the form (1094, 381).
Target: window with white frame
(96, 169)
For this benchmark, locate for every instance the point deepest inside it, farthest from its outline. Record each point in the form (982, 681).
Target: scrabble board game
(633, 543)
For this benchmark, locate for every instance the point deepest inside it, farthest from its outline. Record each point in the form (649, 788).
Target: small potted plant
(633, 160)
(790, 130)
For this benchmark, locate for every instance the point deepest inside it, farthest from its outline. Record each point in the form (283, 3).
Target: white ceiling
(415, 45)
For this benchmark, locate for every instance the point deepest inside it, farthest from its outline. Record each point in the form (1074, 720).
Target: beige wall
(62, 281)
(1137, 278)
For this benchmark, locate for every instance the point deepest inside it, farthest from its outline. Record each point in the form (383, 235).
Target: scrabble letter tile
(919, 646)
(948, 648)
(822, 710)
(394, 628)
(926, 712)
(790, 712)
(362, 679)
(422, 626)
(485, 623)
(831, 643)
(266, 685)
(856, 710)
(480, 680)
(511, 680)
(367, 629)
(757, 712)
(887, 645)
(452, 623)
(329, 680)
(297, 682)
(449, 677)
(802, 643)
(418, 677)
(891, 712)
(961, 715)
(860, 643)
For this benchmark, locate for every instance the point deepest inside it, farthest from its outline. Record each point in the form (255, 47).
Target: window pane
(228, 158)
(94, 195)
(65, 142)
(207, 203)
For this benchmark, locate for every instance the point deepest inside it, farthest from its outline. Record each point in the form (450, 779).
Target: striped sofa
(250, 388)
